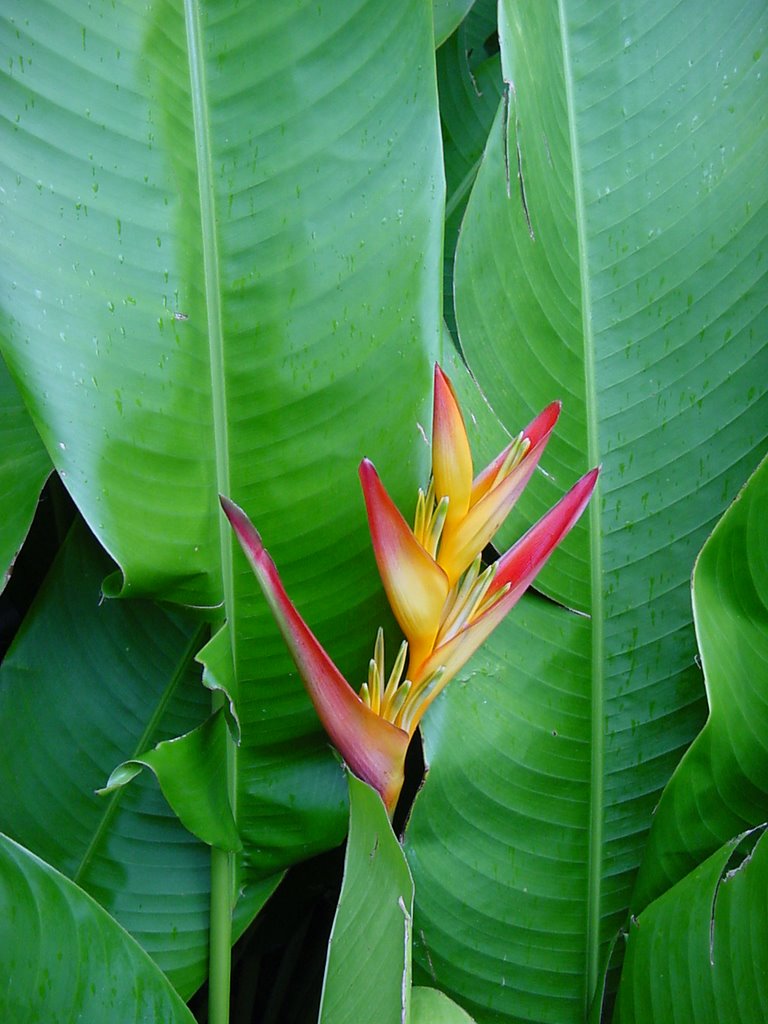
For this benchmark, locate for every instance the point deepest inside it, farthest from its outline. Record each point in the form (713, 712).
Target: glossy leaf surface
(86, 685)
(699, 951)
(221, 250)
(721, 785)
(578, 277)
(192, 773)
(24, 466)
(45, 918)
(496, 839)
(368, 971)
(429, 1006)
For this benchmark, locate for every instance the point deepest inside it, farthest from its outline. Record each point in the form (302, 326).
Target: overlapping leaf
(699, 951)
(430, 1006)
(721, 785)
(86, 685)
(447, 16)
(24, 465)
(368, 971)
(578, 276)
(220, 272)
(469, 82)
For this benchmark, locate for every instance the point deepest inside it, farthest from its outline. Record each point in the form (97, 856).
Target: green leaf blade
(719, 787)
(231, 276)
(86, 685)
(698, 952)
(496, 839)
(105, 975)
(367, 974)
(577, 239)
(192, 773)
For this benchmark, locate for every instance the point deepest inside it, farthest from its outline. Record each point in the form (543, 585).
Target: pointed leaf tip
(246, 532)
(524, 559)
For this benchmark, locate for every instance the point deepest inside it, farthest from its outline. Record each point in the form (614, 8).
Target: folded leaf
(721, 785)
(192, 772)
(698, 953)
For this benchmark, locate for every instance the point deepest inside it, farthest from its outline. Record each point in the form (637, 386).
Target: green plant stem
(222, 905)
(220, 936)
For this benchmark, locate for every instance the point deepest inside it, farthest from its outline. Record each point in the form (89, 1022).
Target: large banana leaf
(220, 272)
(612, 256)
(87, 684)
(45, 918)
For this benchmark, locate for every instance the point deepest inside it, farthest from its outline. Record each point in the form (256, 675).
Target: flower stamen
(515, 456)
(386, 701)
(429, 519)
(419, 699)
(489, 601)
(457, 596)
(392, 709)
(469, 600)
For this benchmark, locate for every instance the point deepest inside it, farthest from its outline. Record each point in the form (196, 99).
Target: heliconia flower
(444, 600)
(371, 745)
(475, 605)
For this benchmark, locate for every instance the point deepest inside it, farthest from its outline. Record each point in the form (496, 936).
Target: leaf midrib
(597, 746)
(212, 290)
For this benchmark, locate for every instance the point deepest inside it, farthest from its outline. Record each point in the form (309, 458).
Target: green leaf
(63, 958)
(469, 83)
(496, 841)
(721, 785)
(192, 773)
(578, 275)
(222, 260)
(699, 951)
(24, 466)
(368, 971)
(447, 15)
(86, 685)
(428, 1006)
